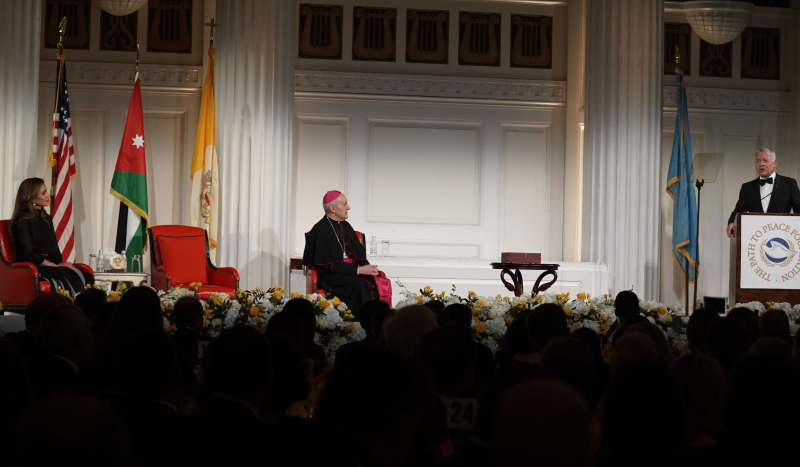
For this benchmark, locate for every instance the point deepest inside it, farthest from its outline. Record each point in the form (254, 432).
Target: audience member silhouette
(749, 318)
(71, 429)
(27, 341)
(404, 328)
(518, 353)
(67, 340)
(700, 322)
(772, 347)
(238, 374)
(312, 352)
(187, 314)
(702, 389)
(632, 349)
(14, 386)
(153, 381)
(762, 412)
(626, 304)
(602, 370)
(728, 340)
(775, 323)
(642, 412)
(90, 301)
(442, 317)
(542, 423)
(570, 361)
(102, 321)
(368, 310)
(434, 305)
(395, 425)
(377, 325)
(448, 352)
(460, 313)
(290, 328)
(665, 352)
(484, 357)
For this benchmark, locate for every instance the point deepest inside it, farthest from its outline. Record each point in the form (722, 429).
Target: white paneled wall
(459, 178)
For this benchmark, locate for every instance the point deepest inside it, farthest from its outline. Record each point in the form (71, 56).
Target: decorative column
(19, 96)
(622, 170)
(256, 46)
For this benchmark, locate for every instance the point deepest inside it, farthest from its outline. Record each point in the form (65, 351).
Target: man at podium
(770, 192)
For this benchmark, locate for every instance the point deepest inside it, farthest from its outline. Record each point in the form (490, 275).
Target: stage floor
(475, 275)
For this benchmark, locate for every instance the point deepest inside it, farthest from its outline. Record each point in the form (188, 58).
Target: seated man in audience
(341, 259)
(65, 336)
(27, 342)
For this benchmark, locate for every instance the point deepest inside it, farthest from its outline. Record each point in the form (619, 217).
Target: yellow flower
(351, 327)
(277, 295)
(172, 329)
(567, 310)
(113, 297)
(253, 312)
(209, 314)
(480, 327)
(325, 304)
(419, 298)
(669, 318)
(295, 295)
(509, 319)
(480, 303)
(428, 289)
(336, 301)
(280, 288)
(661, 310)
(581, 296)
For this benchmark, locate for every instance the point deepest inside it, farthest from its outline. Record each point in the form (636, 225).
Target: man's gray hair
(770, 151)
(327, 206)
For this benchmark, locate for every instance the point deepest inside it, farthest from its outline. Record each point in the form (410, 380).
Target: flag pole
(62, 29)
(686, 273)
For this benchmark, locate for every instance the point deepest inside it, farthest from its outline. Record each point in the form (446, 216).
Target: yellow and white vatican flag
(204, 163)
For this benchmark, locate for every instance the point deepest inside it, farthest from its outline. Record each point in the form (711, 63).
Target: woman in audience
(35, 239)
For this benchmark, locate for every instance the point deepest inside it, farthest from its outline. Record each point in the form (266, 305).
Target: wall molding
(730, 99)
(123, 73)
(430, 86)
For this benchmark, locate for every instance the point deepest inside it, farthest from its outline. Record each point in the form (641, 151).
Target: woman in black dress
(35, 239)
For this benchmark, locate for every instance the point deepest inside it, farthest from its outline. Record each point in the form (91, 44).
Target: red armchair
(179, 256)
(311, 278)
(19, 282)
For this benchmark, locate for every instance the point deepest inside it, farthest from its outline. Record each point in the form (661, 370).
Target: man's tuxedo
(785, 197)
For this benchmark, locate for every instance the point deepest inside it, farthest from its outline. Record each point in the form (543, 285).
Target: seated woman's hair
(27, 192)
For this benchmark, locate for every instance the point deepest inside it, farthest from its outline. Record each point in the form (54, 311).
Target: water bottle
(373, 247)
(101, 262)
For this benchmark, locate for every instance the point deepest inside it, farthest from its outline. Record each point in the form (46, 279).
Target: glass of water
(136, 264)
(93, 262)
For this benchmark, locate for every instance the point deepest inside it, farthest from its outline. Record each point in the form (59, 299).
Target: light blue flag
(680, 186)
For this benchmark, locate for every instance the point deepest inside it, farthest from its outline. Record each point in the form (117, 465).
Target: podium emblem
(777, 252)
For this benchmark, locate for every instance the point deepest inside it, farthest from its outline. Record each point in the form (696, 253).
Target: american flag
(62, 159)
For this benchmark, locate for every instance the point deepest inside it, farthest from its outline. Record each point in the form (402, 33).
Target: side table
(106, 278)
(516, 277)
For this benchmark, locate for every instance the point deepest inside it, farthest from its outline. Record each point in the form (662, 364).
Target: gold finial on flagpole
(137, 58)
(213, 25)
(62, 29)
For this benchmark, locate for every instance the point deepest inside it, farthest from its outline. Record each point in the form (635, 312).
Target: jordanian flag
(129, 184)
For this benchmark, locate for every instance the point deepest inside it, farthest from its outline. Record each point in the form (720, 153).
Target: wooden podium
(765, 258)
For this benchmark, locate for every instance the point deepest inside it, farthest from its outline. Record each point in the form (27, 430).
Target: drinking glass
(385, 248)
(136, 264)
(93, 262)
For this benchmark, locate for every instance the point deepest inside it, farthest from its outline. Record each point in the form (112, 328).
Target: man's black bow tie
(765, 181)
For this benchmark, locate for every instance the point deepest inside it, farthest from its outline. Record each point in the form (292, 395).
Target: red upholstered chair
(311, 279)
(19, 282)
(179, 256)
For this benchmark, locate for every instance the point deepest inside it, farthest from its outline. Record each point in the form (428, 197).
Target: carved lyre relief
(531, 45)
(118, 32)
(479, 39)
(169, 26)
(77, 13)
(319, 36)
(715, 60)
(427, 38)
(374, 38)
(760, 55)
